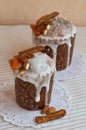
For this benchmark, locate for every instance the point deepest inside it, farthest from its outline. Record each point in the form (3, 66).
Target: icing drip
(57, 37)
(59, 27)
(55, 46)
(39, 74)
(69, 47)
(60, 33)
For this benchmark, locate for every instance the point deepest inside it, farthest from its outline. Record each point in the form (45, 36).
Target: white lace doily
(13, 113)
(76, 69)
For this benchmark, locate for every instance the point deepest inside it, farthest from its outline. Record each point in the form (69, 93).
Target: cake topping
(43, 24)
(20, 62)
(26, 65)
(60, 27)
(52, 26)
(46, 18)
(42, 64)
(14, 63)
(22, 71)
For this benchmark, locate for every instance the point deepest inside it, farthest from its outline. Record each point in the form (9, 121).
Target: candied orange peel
(14, 63)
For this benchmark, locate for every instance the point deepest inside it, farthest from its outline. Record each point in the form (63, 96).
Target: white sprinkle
(30, 67)
(48, 27)
(48, 49)
(56, 18)
(35, 54)
(45, 32)
(44, 53)
(27, 66)
(58, 24)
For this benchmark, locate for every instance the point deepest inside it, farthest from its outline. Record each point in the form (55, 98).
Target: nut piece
(41, 24)
(51, 110)
(45, 109)
(22, 71)
(26, 65)
(45, 32)
(48, 27)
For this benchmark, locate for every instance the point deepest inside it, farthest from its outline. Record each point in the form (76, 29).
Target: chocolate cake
(33, 71)
(57, 36)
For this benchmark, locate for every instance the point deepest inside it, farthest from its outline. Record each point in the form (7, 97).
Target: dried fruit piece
(23, 59)
(51, 110)
(42, 24)
(22, 71)
(33, 27)
(56, 115)
(45, 109)
(14, 63)
(35, 30)
(36, 49)
(11, 63)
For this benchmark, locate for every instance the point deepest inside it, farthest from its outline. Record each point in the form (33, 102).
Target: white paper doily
(76, 68)
(11, 112)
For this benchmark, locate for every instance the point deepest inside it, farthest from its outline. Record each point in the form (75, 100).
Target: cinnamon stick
(56, 115)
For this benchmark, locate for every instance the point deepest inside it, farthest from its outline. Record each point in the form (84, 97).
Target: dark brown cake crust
(26, 92)
(48, 51)
(62, 54)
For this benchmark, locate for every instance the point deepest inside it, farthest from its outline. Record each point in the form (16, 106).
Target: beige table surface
(16, 38)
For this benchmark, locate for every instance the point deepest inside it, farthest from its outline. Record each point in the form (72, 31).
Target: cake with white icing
(33, 71)
(57, 35)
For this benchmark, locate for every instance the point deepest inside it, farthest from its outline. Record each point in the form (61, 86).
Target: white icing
(41, 64)
(69, 47)
(39, 73)
(66, 36)
(59, 26)
(55, 46)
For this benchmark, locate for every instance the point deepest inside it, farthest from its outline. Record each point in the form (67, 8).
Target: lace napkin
(13, 113)
(76, 68)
